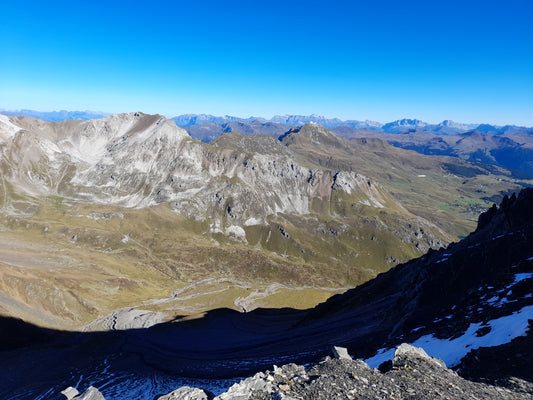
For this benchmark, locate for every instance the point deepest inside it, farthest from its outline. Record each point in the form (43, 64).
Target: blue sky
(470, 61)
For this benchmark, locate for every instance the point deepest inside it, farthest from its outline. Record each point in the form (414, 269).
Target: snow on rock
(522, 276)
(451, 351)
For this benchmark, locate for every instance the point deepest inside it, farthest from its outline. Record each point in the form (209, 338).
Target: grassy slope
(61, 268)
(445, 190)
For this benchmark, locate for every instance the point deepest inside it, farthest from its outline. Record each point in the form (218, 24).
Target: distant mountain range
(54, 116)
(446, 127)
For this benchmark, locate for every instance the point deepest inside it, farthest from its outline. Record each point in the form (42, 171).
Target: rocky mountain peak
(312, 131)
(513, 212)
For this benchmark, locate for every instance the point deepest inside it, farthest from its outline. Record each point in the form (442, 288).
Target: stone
(292, 370)
(246, 388)
(185, 393)
(405, 352)
(281, 396)
(340, 353)
(70, 393)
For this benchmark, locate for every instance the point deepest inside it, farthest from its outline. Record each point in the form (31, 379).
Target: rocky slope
(474, 294)
(413, 375)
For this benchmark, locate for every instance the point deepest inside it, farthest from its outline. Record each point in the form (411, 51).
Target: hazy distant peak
(451, 124)
(53, 116)
(304, 119)
(405, 123)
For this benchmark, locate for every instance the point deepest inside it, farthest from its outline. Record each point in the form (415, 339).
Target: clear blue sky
(470, 61)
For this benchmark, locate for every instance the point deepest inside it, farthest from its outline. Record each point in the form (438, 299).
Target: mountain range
(53, 116)
(446, 127)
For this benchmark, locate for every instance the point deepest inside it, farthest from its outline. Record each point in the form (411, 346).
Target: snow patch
(451, 351)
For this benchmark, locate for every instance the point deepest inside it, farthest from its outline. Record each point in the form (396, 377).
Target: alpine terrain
(464, 304)
(147, 260)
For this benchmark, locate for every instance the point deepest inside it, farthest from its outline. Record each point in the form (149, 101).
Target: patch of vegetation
(464, 171)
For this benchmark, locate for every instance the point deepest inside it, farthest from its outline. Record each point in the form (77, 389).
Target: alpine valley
(141, 255)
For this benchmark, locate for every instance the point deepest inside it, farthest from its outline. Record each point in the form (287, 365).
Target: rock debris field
(412, 374)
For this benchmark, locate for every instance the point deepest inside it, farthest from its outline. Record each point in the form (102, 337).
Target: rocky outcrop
(413, 375)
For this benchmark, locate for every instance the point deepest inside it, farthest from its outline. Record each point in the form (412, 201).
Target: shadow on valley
(440, 294)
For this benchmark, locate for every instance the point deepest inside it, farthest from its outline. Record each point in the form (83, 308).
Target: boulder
(406, 354)
(70, 393)
(244, 390)
(185, 393)
(340, 353)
